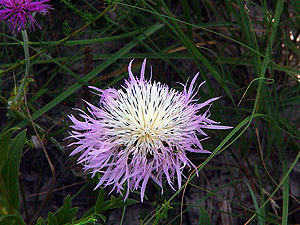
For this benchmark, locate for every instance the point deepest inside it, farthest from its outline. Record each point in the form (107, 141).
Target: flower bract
(142, 131)
(18, 13)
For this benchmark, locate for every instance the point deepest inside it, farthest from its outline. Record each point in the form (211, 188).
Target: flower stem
(14, 104)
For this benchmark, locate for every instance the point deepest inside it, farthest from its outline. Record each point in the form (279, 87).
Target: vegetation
(246, 51)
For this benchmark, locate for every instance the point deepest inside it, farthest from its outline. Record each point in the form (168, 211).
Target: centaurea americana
(18, 13)
(140, 132)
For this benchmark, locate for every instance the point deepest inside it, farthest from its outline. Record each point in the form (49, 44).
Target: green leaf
(113, 201)
(89, 220)
(117, 203)
(51, 219)
(204, 217)
(73, 212)
(13, 129)
(102, 217)
(100, 200)
(11, 220)
(10, 169)
(4, 141)
(63, 212)
(40, 221)
(121, 203)
(89, 212)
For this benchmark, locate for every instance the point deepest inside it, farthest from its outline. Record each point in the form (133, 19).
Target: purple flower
(140, 132)
(19, 12)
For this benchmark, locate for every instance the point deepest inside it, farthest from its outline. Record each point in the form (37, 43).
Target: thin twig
(185, 185)
(49, 162)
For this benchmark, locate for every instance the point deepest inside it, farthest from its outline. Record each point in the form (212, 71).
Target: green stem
(14, 104)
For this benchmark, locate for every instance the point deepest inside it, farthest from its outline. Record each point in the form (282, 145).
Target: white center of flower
(147, 115)
(146, 131)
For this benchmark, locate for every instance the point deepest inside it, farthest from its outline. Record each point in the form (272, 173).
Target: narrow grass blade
(286, 195)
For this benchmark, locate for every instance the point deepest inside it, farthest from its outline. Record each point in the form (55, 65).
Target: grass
(246, 51)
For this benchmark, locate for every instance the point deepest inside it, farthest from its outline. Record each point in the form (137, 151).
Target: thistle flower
(140, 132)
(20, 12)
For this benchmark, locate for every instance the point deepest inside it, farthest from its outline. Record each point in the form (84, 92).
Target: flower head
(19, 12)
(140, 132)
